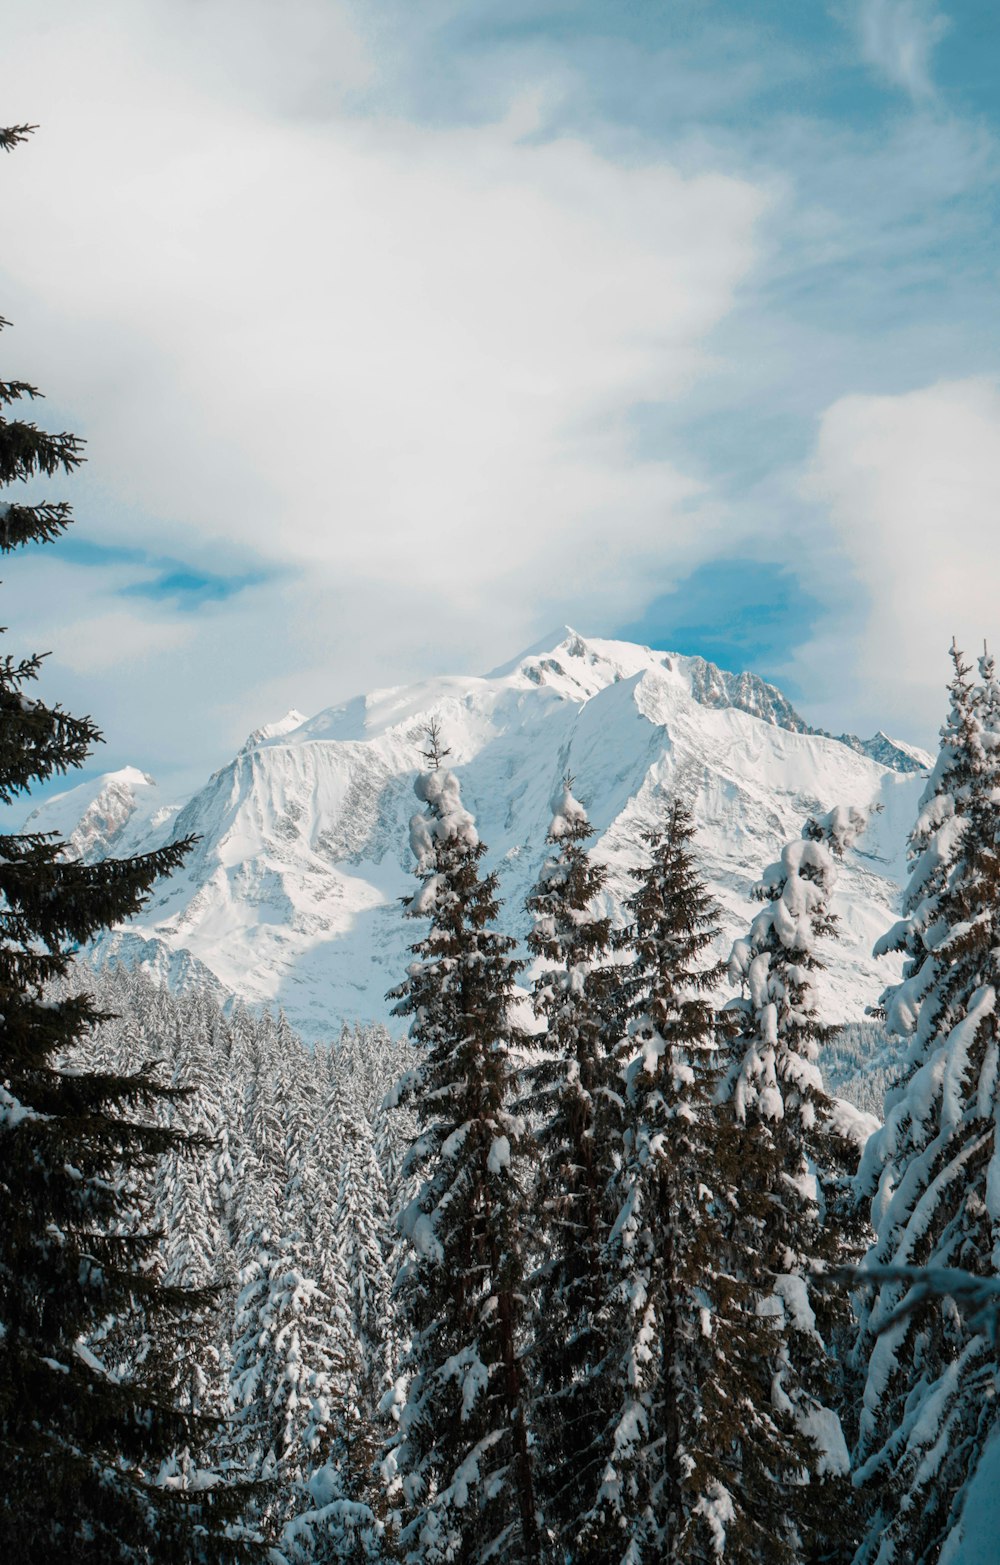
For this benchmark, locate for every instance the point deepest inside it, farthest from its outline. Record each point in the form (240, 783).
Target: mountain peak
(580, 666)
(92, 818)
(291, 897)
(292, 719)
(547, 645)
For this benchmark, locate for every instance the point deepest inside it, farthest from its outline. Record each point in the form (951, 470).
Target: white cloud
(418, 343)
(396, 357)
(76, 616)
(400, 356)
(392, 353)
(898, 39)
(911, 485)
(99, 643)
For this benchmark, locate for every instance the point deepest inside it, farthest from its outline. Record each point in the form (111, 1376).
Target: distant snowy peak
(291, 895)
(100, 817)
(271, 731)
(582, 666)
(900, 756)
(716, 687)
(574, 668)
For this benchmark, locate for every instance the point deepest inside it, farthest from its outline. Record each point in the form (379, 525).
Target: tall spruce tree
(801, 1161)
(461, 1453)
(576, 1108)
(933, 1170)
(692, 1444)
(79, 1447)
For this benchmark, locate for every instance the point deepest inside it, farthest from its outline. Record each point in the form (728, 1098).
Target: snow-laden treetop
(445, 819)
(568, 814)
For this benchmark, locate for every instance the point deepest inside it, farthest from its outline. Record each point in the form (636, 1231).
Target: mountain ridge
(291, 896)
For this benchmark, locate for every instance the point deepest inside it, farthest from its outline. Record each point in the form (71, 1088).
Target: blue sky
(400, 334)
(157, 577)
(739, 613)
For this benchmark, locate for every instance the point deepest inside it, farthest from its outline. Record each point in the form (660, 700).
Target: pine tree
(361, 1236)
(691, 1445)
(933, 1170)
(461, 1455)
(334, 1193)
(79, 1447)
(289, 1369)
(186, 1208)
(575, 1107)
(334, 1526)
(787, 1131)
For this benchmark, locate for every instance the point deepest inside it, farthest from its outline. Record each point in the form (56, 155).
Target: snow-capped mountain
(97, 817)
(291, 897)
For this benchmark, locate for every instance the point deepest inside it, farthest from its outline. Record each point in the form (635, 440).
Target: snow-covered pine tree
(577, 1115)
(79, 1447)
(287, 1362)
(803, 1163)
(460, 1457)
(193, 1259)
(334, 1527)
(309, 1183)
(332, 1198)
(361, 1236)
(691, 1435)
(260, 1171)
(293, 1398)
(187, 1212)
(366, 1061)
(933, 1170)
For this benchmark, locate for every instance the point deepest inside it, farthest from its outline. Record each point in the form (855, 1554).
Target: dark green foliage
(80, 1448)
(694, 1446)
(461, 1454)
(25, 452)
(930, 1396)
(577, 1109)
(12, 135)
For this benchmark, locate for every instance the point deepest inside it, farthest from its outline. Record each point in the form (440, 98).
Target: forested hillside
(283, 1209)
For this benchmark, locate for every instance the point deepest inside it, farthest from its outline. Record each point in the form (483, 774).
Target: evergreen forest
(579, 1262)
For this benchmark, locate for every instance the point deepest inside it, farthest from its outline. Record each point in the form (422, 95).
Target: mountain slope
(291, 897)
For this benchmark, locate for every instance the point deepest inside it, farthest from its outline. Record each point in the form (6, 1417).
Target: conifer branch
(11, 136)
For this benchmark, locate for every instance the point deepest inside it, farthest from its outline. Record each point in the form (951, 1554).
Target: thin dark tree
(693, 1447)
(799, 1165)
